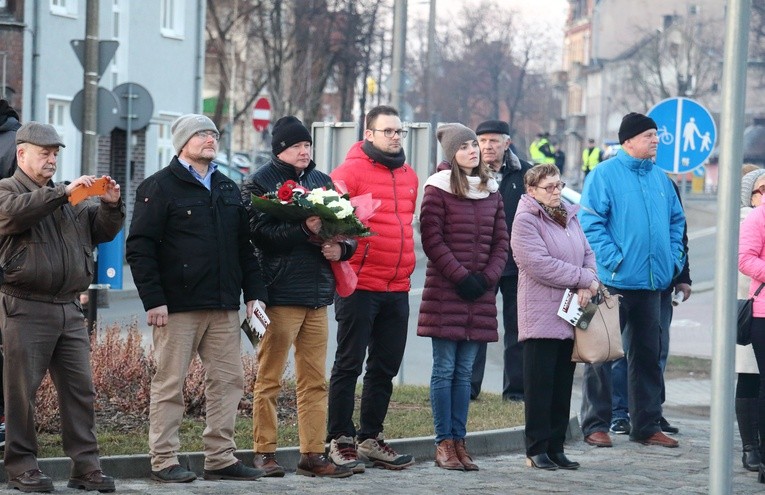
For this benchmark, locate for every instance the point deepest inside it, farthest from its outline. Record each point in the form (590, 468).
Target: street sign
(107, 111)
(137, 105)
(687, 134)
(106, 50)
(261, 114)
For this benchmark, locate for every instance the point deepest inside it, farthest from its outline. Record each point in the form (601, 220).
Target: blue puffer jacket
(634, 222)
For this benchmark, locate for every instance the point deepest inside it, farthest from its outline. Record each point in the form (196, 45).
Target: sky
(549, 11)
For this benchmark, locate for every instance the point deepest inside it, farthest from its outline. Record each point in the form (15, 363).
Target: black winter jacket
(189, 248)
(296, 272)
(511, 188)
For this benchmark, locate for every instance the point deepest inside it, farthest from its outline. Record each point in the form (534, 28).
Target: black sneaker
(236, 471)
(620, 426)
(668, 428)
(174, 474)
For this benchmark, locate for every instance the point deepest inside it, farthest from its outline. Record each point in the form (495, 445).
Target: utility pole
(399, 45)
(90, 88)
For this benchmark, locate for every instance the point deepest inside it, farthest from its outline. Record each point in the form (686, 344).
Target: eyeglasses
(388, 133)
(207, 134)
(552, 187)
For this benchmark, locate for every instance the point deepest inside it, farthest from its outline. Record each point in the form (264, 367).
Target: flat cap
(39, 134)
(493, 127)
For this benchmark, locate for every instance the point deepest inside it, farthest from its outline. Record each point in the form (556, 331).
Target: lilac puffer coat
(550, 260)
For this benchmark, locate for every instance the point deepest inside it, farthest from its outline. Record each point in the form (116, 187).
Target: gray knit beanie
(186, 126)
(747, 186)
(451, 137)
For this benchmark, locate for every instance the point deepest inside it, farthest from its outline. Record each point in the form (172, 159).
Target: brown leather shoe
(599, 439)
(267, 462)
(319, 465)
(463, 456)
(94, 480)
(446, 456)
(31, 481)
(659, 439)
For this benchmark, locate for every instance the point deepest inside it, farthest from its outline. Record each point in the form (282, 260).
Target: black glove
(472, 287)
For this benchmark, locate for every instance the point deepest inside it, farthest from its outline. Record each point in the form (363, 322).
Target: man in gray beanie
(190, 254)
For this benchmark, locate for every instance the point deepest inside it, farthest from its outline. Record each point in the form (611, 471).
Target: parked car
(232, 173)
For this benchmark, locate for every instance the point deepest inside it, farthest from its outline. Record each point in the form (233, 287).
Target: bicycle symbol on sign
(664, 136)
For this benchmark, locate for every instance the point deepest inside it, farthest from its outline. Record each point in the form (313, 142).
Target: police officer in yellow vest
(591, 156)
(541, 151)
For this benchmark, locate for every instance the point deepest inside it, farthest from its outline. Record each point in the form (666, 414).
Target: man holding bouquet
(295, 259)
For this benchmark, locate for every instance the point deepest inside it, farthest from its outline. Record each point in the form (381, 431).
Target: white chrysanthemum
(342, 207)
(318, 196)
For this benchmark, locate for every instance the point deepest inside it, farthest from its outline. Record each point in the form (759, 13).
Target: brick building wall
(12, 52)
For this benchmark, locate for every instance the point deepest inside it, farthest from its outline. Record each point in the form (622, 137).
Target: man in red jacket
(375, 316)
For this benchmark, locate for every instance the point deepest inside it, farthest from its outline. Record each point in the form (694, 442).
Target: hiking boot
(267, 462)
(94, 480)
(33, 480)
(446, 456)
(464, 456)
(318, 465)
(342, 452)
(174, 474)
(375, 452)
(236, 472)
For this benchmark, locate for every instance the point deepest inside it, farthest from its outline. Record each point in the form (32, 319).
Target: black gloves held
(472, 287)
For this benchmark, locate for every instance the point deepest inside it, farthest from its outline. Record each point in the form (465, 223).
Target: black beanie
(633, 124)
(288, 131)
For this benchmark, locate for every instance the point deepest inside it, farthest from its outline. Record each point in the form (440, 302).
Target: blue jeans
(640, 315)
(620, 409)
(450, 386)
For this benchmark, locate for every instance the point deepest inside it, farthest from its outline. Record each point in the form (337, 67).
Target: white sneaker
(375, 452)
(342, 452)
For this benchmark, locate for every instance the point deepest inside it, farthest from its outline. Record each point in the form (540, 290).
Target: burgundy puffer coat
(461, 236)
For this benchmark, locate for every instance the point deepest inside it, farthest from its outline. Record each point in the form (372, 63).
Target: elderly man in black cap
(634, 222)
(296, 266)
(190, 254)
(43, 230)
(494, 141)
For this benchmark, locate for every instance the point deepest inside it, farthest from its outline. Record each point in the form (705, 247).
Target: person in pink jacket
(751, 262)
(553, 255)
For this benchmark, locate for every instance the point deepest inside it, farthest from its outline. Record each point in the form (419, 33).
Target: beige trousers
(215, 336)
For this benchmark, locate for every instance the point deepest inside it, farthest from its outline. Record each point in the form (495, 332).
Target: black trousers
(366, 321)
(548, 377)
(512, 379)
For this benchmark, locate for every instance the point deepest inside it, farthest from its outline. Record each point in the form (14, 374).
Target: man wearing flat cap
(495, 143)
(190, 254)
(46, 251)
(634, 222)
(296, 267)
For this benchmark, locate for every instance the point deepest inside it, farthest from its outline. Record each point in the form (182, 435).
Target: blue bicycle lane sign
(687, 134)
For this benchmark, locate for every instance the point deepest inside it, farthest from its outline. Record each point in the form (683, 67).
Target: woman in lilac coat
(465, 238)
(553, 255)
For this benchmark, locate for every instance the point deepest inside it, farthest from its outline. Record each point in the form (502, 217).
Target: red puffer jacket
(385, 260)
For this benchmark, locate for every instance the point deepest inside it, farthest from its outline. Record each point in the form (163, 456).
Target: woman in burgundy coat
(465, 238)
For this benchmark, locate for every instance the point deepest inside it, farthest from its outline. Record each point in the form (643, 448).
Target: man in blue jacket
(634, 223)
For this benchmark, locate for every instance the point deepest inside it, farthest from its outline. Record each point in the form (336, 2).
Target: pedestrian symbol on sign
(686, 134)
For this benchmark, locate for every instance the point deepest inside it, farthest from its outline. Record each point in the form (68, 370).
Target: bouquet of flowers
(341, 218)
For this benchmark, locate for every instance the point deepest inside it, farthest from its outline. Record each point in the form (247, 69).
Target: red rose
(284, 193)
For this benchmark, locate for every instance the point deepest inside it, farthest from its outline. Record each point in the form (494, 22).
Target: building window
(3, 4)
(171, 16)
(64, 7)
(58, 117)
(165, 151)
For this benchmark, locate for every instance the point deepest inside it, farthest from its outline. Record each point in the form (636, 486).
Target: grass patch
(409, 415)
(683, 366)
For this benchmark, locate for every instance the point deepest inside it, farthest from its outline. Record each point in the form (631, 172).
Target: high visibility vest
(536, 154)
(590, 158)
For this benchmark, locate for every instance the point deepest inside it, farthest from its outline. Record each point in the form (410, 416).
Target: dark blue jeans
(450, 386)
(620, 408)
(374, 322)
(640, 315)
